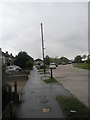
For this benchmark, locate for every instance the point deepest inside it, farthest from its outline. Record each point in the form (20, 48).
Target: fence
(12, 98)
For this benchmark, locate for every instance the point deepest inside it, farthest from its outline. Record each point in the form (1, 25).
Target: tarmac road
(74, 80)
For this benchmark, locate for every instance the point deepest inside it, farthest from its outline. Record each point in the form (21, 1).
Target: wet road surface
(39, 98)
(74, 80)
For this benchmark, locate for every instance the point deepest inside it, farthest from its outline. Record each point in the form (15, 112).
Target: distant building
(70, 61)
(84, 59)
(7, 59)
(63, 60)
(88, 57)
(38, 61)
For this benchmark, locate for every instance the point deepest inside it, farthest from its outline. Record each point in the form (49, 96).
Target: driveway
(74, 80)
(37, 96)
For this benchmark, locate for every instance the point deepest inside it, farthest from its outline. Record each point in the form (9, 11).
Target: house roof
(38, 59)
(7, 55)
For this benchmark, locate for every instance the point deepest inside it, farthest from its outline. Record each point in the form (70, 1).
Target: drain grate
(46, 109)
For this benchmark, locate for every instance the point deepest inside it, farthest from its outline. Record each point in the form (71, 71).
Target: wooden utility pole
(42, 47)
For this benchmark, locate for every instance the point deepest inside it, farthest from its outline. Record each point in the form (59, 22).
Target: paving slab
(39, 99)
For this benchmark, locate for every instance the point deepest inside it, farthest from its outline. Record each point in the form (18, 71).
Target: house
(88, 58)
(38, 61)
(70, 61)
(7, 59)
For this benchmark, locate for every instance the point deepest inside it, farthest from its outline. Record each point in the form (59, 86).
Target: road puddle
(46, 109)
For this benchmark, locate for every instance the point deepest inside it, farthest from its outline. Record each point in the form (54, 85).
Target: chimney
(6, 52)
(10, 54)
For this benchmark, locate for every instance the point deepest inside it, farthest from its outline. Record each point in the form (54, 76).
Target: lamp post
(42, 47)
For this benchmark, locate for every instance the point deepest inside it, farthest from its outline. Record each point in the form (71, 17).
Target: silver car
(11, 69)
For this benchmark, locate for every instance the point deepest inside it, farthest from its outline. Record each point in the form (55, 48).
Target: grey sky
(65, 28)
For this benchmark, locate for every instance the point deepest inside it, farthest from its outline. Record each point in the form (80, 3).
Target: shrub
(29, 64)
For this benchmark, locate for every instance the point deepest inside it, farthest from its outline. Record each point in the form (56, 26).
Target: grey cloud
(65, 28)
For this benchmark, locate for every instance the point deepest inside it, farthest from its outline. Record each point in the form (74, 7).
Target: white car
(11, 69)
(17, 67)
(52, 65)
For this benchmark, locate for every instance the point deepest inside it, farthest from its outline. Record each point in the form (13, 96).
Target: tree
(56, 60)
(29, 64)
(22, 58)
(64, 60)
(51, 60)
(78, 59)
(84, 56)
(47, 60)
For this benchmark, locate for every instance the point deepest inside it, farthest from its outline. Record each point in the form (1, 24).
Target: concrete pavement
(37, 96)
(74, 80)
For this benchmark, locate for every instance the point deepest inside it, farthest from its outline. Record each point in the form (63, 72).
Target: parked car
(17, 67)
(52, 65)
(12, 69)
(56, 65)
(42, 66)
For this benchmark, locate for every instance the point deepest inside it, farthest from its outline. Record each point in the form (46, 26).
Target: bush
(29, 64)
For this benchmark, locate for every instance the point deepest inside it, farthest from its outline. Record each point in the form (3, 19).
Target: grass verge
(41, 71)
(53, 80)
(72, 108)
(83, 65)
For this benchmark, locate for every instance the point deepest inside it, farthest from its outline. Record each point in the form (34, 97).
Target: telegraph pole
(42, 47)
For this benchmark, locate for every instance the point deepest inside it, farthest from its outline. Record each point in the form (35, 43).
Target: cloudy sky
(65, 26)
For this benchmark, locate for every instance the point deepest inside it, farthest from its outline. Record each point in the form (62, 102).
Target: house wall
(37, 62)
